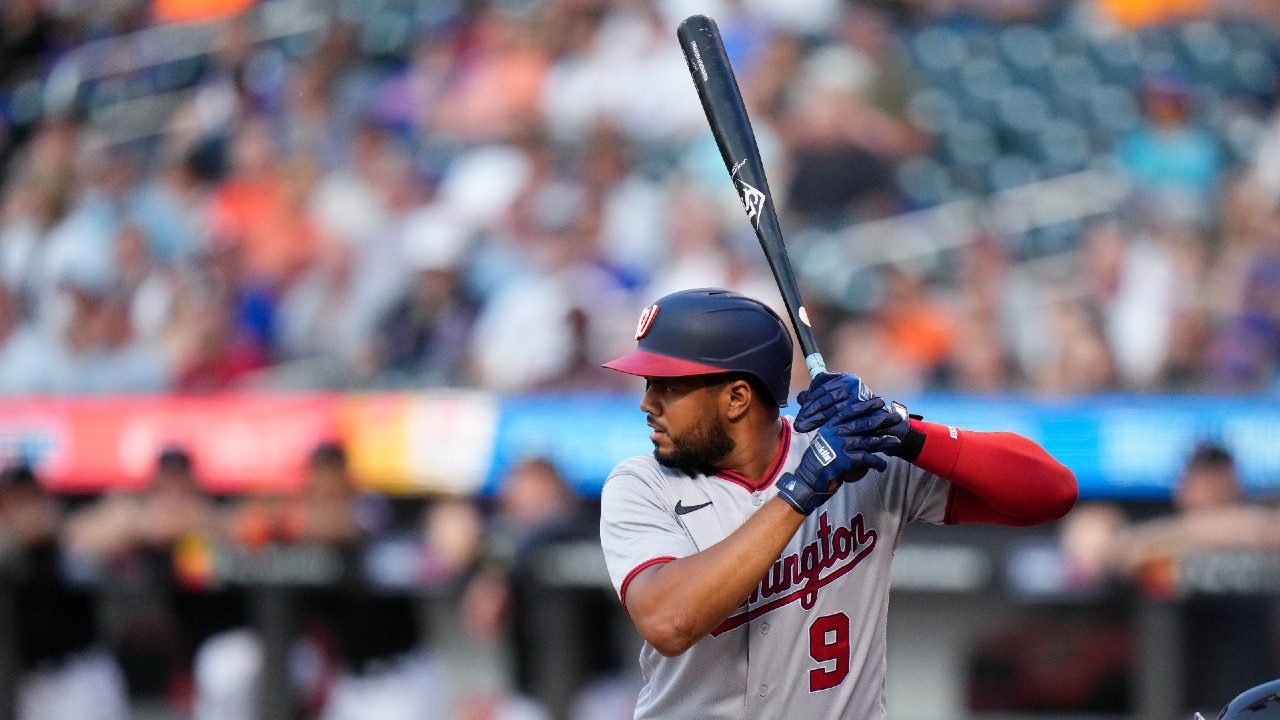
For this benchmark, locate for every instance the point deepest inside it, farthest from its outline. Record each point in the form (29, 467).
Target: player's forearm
(1000, 477)
(675, 604)
(1237, 527)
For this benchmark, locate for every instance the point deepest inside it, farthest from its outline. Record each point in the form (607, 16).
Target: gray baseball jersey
(810, 641)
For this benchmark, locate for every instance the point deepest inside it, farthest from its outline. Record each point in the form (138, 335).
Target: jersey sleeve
(997, 477)
(914, 494)
(637, 528)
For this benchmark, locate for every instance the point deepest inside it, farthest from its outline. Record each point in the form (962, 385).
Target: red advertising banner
(395, 442)
(238, 442)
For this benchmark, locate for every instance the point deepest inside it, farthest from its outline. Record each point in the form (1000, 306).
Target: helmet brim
(647, 364)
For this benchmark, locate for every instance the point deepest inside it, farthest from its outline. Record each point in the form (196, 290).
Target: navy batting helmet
(706, 331)
(1257, 703)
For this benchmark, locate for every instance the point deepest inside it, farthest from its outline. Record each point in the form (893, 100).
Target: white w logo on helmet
(646, 321)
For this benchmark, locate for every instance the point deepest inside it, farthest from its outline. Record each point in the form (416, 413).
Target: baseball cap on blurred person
(174, 469)
(434, 240)
(1166, 96)
(1209, 480)
(481, 184)
(837, 69)
(328, 454)
(18, 476)
(174, 459)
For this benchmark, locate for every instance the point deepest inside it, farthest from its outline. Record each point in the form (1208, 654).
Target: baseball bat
(727, 115)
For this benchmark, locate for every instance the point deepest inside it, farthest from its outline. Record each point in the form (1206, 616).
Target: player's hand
(865, 421)
(873, 424)
(827, 395)
(829, 461)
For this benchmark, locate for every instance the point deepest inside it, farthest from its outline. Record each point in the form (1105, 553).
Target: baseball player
(752, 551)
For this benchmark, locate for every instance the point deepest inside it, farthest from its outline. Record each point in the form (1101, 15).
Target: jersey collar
(774, 470)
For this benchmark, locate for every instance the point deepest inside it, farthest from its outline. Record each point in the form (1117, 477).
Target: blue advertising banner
(1120, 447)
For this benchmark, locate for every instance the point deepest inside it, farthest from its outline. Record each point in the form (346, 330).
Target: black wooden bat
(727, 116)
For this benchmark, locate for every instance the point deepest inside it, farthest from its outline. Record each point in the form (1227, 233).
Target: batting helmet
(706, 331)
(1256, 703)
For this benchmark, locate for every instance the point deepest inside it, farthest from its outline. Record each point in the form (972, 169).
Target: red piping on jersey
(741, 619)
(622, 593)
(783, 448)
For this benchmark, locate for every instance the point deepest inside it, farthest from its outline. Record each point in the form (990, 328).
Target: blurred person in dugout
(529, 593)
(358, 653)
(1229, 640)
(161, 599)
(63, 670)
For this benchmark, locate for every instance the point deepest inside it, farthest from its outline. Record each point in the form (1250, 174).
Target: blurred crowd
(325, 603)
(487, 202)
(1224, 640)
(492, 205)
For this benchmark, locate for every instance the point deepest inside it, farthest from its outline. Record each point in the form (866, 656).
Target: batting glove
(862, 417)
(827, 395)
(829, 461)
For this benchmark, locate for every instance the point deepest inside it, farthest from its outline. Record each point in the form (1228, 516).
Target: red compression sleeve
(996, 477)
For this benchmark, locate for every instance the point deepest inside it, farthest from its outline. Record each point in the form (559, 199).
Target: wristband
(913, 441)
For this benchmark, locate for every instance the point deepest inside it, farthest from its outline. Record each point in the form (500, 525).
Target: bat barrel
(727, 115)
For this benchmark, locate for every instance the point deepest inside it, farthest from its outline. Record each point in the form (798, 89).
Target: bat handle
(815, 364)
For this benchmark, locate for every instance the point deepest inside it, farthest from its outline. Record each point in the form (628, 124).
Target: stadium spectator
(162, 604)
(358, 653)
(213, 353)
(64, 669)
(22, 348)
(1141, 288)
(421, 339)
(558, 633)
(1132, 14)
(166, 209)
(841, 147)
(371, 630)
(1076, 357)
(305, 158)
(603, 52)
(1228, 639)
(27, 36)
(1173, 161)
(1245, 350)
(495, 93)
(260, 207)
(1211, 513)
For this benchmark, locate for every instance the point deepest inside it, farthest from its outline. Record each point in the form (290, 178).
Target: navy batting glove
(872, 419)
(882, 428)
(828, 462)
(827, 395)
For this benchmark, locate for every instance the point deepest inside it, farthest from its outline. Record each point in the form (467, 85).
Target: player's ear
(736, 398)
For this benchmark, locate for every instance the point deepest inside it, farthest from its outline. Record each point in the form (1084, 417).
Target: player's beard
(698, 449)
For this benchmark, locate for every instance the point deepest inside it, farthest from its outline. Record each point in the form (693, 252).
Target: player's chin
(664, 453)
